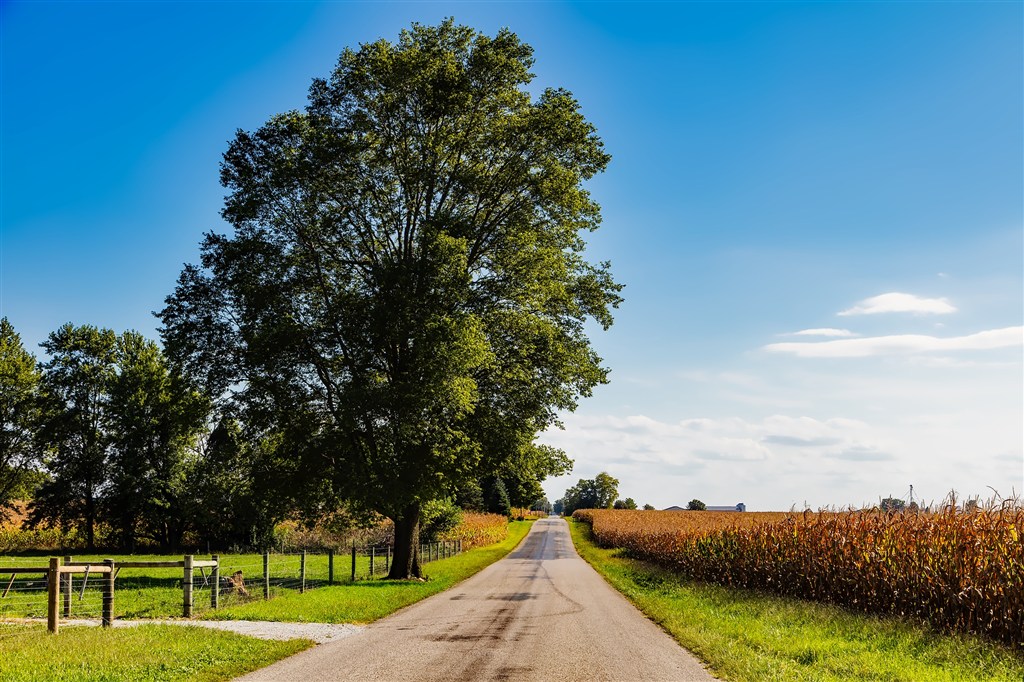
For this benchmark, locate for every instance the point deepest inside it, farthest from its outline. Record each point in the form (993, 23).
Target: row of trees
(600, 492)
(111, 420)
(105, 433)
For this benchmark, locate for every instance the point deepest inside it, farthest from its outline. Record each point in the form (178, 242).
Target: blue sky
(854, 170)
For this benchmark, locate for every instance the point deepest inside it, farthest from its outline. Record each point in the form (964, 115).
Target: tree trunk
(405, 562)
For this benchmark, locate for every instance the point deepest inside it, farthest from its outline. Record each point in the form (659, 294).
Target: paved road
(542, 613)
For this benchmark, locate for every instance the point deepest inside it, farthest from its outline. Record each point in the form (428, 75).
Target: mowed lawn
(148, 652)
(173, 652)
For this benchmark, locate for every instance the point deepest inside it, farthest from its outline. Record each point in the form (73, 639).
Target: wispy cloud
(902, 344)
(863, 453)
(896, 302)
(824, 332)
(641, 439)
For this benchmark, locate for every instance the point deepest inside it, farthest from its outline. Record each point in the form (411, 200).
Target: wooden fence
(188, 564)
(60, 574)
(58, 581)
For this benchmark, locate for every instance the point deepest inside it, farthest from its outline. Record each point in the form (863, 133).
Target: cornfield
(477, 530)
(957, 570)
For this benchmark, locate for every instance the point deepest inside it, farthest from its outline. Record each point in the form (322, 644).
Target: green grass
(150, 652)
(366, 601)
(744, 635)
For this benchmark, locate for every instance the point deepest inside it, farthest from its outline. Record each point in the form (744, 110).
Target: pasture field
(958, 571)
(752, 635)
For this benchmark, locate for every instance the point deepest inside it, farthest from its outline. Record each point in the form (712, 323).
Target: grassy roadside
(744, 635)
(146, 653)
(368, 600)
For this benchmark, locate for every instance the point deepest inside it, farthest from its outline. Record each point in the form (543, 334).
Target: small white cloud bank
(902, 344)
(896, 302)
(825, 332)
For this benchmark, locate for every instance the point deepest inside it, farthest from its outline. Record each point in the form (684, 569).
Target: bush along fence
(65, 582)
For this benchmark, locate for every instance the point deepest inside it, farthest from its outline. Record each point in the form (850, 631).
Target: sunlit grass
(145, 653)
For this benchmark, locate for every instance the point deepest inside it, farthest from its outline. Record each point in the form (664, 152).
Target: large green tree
(153, 420)
(402, 303)
(19, 415)
(76, 379)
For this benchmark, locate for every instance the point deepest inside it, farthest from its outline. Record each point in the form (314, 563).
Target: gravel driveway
(321, 633)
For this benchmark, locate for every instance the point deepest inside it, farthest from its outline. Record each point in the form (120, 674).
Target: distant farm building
(739, 507)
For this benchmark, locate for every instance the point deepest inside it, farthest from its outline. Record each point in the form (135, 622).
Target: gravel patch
(318, 632)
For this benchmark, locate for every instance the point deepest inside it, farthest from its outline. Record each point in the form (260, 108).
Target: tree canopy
(116, 426)
(593, 493)
(402, 304)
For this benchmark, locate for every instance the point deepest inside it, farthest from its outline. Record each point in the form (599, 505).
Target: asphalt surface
(541, 613)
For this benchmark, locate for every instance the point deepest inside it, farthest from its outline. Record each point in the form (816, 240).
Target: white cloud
(720, 460)
(639, 439)
(896, 302)
(824, 332)
(901, 344)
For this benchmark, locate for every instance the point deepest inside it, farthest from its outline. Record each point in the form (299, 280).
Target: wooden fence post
(330, 567)
(108, 594)
(387, 559)
(302, 572)
(186, 585)
(266, 576)
(52, 586)
(215, 588)
(66, 589)
(373, 556)
(353, 561)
